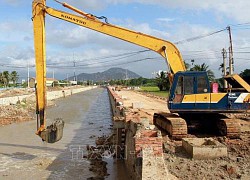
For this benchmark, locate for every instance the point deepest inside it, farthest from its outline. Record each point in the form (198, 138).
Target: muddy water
(24, 156)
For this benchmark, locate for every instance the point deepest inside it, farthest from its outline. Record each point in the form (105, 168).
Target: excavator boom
(190, 93)
(39, 10)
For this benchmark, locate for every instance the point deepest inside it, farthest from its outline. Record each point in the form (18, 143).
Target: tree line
(6, 77)
(162, 82)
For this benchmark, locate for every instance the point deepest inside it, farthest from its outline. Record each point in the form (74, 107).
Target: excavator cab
(189, 91)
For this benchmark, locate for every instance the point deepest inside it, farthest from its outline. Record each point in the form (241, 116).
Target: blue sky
(167, 19)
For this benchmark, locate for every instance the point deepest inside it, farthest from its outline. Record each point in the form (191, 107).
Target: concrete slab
(204, 148)
(137, 105)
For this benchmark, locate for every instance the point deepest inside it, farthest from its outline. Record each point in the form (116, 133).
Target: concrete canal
(87, 115)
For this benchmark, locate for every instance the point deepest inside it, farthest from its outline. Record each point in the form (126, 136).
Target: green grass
(154, 90)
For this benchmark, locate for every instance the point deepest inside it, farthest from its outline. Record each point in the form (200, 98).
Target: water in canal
(24, 156)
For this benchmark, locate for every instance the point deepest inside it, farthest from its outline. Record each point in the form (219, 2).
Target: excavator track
(229, 127)
(177, 128)
(173, 124)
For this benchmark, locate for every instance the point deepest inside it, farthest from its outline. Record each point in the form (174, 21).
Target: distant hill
(112, 73)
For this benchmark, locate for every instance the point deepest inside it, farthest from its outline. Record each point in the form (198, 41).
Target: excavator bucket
(54, 132)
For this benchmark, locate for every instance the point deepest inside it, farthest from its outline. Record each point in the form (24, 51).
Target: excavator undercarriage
(172, 123)
(179, 126)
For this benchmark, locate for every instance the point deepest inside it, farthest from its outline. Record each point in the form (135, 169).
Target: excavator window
(179, 90)
(188, 85)
(185, 85)
(202, 86)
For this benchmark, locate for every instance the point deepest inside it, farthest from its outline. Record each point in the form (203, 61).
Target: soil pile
(24, 111)
(235, 166)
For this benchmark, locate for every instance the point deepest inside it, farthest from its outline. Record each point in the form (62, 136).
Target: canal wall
(68, 92)
(51, 95)
(14, 100)
(138, 142)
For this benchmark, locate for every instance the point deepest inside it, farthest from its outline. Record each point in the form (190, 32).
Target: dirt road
(148, 105)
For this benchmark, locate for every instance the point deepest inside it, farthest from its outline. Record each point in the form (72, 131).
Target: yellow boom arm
(165, 48)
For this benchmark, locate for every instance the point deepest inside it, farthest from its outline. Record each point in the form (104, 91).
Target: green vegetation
(204, 67)
(162, 81)
(133, 82)
(155, 91)
(6, 78)
(246, 75)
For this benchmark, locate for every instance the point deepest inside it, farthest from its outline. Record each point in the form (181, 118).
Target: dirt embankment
(16, 92)
(16, 113)
(23, 110)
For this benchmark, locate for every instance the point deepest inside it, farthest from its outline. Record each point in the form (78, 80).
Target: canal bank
(138, 141)
(30, 95)
(19, 105)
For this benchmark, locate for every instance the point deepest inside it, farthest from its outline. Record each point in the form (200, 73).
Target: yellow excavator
(190, 92)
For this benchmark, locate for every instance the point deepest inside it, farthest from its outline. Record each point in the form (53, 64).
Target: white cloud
(13, 2)
(63, 39)
(146, 29)
(166, 20)
(92, 4)
(238, 11)
(230, 8)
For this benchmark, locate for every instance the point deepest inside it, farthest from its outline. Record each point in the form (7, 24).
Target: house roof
(47, 79)
(51, 79)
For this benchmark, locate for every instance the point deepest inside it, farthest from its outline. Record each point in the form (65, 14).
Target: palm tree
(14, 77)
(222, 69)
(162, 81)
(6, 78)
(187, 65)
(1, 78)
(204, 67)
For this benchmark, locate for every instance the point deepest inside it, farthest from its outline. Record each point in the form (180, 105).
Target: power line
(242, 52)
(241, 28)
(241, 24)
(110, 60)
(105, 57)
(199, 37)
(93, 63)
(128, 62)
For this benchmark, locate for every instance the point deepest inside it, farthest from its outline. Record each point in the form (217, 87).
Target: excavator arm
(40, 54)
(165, 48)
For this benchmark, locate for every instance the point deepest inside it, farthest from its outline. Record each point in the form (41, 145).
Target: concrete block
(118, 122)
(204, 148)
(137, 105)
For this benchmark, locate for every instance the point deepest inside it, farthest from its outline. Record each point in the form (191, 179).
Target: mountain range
(110, 74)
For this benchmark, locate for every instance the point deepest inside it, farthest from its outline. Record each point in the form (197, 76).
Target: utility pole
(53, 78)
(28, 81)
(126, 80)
(126, 74)
(67, 79)
(74, 66)
(231, 62)
(224, 55)
(53, 74)
(74, 70)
